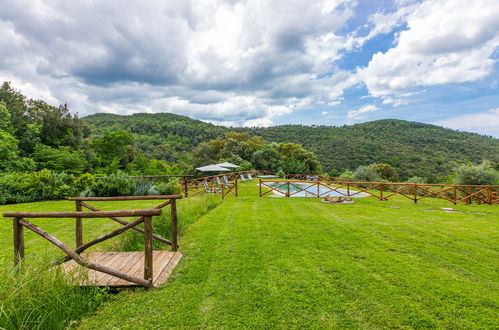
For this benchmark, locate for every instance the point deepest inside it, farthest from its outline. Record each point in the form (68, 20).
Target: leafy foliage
(366, 173)
(483, 174)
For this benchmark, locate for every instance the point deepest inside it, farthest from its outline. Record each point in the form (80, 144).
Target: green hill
(414, 148)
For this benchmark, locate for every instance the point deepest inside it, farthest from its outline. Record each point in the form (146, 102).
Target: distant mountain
(413, 148)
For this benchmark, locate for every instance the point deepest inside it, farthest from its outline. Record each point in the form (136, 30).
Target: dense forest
(413, 148)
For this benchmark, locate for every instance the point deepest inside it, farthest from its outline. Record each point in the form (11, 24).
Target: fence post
(18, 241)
(381, 191)
(455, 195)
(489, 196)
(287, 194)
(173, 216)
(348, 189)
(415, 193)
(79, 227)
(223, 192)
(148, 266)
(186, 188)
(318, 190)
(260, 187)
(235, 183)
(468, 198)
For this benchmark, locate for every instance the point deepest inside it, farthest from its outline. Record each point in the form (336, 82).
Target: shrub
(386, 172)
(347, 174)
(366, 173)
(483, 174)
(116, 184)
(415, 179)
(281, 174)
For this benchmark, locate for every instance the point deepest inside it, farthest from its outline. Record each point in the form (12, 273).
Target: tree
(8, 151)
(119, 145)
(366, 173)
(61, 159)
(483, 174)
(386, 171)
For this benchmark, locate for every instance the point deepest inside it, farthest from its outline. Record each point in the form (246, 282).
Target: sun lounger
(249, 177)
(242, 178)
(209, 189)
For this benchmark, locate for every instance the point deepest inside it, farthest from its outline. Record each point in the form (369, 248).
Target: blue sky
(261, 63)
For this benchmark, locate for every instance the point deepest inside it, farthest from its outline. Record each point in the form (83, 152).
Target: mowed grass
(295, 262)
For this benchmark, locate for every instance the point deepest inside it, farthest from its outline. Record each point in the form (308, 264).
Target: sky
(260, 63)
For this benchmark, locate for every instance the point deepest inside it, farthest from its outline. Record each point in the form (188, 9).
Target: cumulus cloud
(482, 122)
(445, 41)
(236, 62)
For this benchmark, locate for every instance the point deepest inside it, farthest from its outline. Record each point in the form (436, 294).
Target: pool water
(310, 190)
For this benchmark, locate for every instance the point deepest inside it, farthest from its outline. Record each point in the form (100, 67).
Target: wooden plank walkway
(128, 262)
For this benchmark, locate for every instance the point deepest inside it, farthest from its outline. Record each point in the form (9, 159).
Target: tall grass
(189, 210)
(34, 297)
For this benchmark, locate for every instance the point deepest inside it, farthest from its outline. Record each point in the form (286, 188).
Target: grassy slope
(275, 262)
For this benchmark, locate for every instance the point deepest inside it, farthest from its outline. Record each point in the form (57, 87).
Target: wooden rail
(384, 190)
(216, 183)
(144, 216)
(20, 222)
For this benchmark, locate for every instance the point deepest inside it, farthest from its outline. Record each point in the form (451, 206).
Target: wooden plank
(125, 198)
(99, 214)
(161, 263)
(131, 259)
(167, 271)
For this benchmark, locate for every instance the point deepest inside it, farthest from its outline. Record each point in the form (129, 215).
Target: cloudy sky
(260, 63)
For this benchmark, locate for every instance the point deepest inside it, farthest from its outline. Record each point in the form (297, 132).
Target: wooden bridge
(146, 268)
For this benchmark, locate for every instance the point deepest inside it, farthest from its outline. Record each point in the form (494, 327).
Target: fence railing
(315, 177)
(382, 190)
(222, 184)
(144, 216)
(222, 189)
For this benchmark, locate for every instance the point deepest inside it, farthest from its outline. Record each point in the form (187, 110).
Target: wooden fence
(144, 216)
(217, 184)
(315, 177)
(382, 190)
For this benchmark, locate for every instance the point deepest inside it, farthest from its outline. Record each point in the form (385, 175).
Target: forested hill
(414, 148)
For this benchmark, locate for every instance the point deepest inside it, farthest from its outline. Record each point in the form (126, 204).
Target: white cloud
(447, 41)
(360, 112)
(482, 122)
(243, 60)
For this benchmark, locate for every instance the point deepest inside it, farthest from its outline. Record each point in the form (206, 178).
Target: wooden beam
(148, 262)
(18, 241)
(99, 214)
(79, 226)
(137, 229)
(173, 215)
(125, 198)
(80, 260)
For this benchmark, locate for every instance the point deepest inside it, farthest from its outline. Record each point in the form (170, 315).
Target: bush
(415, 179)
(281, 174)
(347, 174)
(366, 173)
(483, 174)
(116, 184)
(42, 185)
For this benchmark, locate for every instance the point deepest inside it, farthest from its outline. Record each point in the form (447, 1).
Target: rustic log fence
(144, 216)
(383, 190)
(216, 183)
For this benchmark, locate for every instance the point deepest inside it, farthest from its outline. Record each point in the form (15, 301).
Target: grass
(295, 262)
(35, 298)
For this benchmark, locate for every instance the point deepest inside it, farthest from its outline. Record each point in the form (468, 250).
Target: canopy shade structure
(228, 165)
(212, 168)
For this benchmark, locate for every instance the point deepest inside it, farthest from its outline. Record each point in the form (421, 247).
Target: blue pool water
(310, 190)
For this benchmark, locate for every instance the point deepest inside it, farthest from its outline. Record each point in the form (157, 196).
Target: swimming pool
(309, 190)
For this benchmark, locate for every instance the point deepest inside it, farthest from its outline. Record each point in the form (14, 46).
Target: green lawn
(295, 262)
